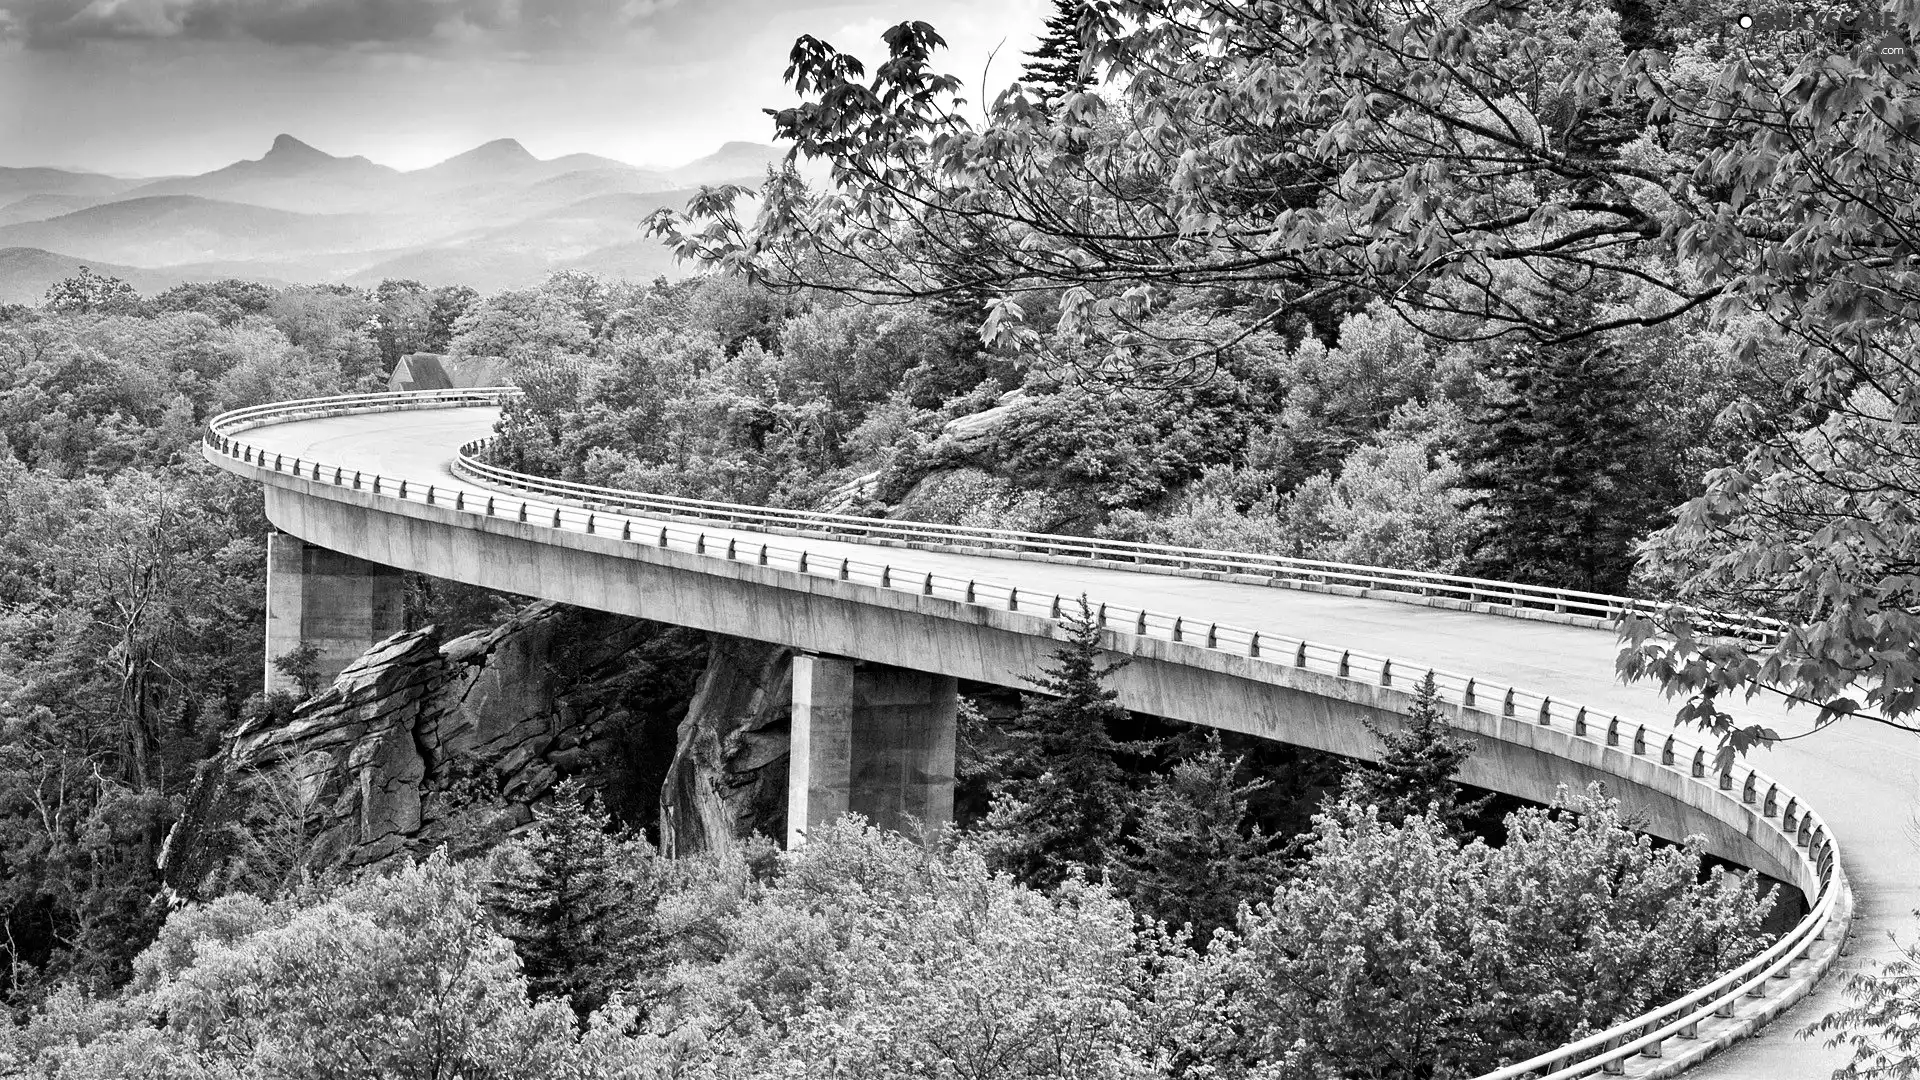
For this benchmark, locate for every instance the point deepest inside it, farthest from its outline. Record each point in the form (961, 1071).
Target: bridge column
(873, 740)
(337, 603)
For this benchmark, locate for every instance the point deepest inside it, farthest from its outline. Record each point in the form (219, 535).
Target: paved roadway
(1861, 777)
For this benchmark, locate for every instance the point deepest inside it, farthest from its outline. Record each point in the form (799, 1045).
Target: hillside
(40, 207)
(17, 184)
(27, 273)
(505, 161)
(165, 230)
(734, 162)
(601, 234)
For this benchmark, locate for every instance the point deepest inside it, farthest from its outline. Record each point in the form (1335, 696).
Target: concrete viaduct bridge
(891, 614)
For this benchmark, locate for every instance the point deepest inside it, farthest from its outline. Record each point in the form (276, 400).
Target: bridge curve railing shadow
(1657, 1043)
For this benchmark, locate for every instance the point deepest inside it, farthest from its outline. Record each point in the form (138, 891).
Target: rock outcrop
(728, 779)
(967, 433)
(419, 740)
(378, 764)
(962, 438)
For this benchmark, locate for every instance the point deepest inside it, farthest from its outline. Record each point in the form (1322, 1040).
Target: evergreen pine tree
(1057, 66)
(1195, 858)
(961, 361)
(1417, 767)
(575, 900)
(1068, 796)
(1557, 458)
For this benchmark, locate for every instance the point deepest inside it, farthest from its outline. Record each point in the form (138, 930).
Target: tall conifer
(573, 899)
(1069, 795)
(1195, 857)
(1057, 66)
(1558, 459)
(1416, 769)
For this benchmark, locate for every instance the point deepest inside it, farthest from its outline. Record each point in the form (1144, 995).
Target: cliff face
(728, 779)
(420, 743)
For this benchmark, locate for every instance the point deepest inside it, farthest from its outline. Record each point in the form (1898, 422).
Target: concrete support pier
(873, 740)
(337, 603)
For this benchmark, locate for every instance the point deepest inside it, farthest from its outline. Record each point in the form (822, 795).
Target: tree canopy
(1467, 166)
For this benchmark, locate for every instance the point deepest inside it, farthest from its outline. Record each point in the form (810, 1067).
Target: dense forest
(1295, 300)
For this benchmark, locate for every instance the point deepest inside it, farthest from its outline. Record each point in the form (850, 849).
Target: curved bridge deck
(1858, 776)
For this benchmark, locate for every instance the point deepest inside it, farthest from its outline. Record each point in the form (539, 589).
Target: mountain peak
(496, 157)
(501, 150)
(286, 147)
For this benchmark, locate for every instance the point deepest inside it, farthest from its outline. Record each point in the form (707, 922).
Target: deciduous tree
(1398, 951)
(88, 293)
(869, 958)
(401, 976)
(1278, 155)
(1877, 1022)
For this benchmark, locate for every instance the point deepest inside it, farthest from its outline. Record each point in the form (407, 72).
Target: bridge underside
(939, 637)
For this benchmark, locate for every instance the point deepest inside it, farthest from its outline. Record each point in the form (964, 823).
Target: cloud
(506, 25)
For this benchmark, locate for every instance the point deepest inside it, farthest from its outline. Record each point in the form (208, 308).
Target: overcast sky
(153, 87)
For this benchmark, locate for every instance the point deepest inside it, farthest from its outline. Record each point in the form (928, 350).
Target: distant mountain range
(494, 217)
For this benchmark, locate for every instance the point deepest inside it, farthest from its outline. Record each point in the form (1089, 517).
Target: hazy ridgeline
(494, 217)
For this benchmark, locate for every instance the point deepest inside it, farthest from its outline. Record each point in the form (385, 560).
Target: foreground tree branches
(1468, 164)
(1877, 1023)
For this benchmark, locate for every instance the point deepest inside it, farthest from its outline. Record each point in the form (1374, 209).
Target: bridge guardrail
(1277, 569)
(1639, 1039)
